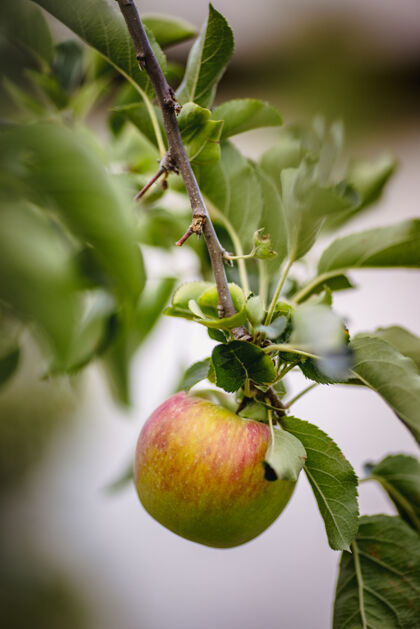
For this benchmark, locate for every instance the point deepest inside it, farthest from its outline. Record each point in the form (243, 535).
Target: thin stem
(301, 394)
(155, 123)
(170, 107)
(149, 184)
(286, 369)
(276, 295)
(306, 290)
(270, 423)
(263, 281)
(285, 347)
(237, 245)
(360, 584)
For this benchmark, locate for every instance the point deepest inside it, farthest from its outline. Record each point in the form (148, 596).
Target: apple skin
(199, 471)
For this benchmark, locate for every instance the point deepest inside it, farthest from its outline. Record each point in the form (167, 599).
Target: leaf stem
(306, 290)
(360, 584)
(170, 107)
(237, 245)
(263, 283)
(301, 394)
(285, 347)
(276, 295)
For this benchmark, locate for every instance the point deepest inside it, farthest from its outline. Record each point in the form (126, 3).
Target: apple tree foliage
(72, 269)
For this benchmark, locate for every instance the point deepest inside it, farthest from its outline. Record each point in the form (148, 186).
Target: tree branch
(201, 222)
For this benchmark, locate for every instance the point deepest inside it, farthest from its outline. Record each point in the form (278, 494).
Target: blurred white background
(133, 573)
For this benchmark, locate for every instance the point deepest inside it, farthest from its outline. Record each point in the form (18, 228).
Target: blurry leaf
(306, 204)
(379, 581)
(319, 328)
(254, 410)
(399, 475)
(275, 329)
(207, 61)
(393, 376)
(200, 134)
(9, 362)
(94, 332)
(332, 479)
(238, 360)
(108, 35)
(49, 86)
(38, 277)
(169, 30)
(152, 303)
(23, 100)
(194, 374)
(68, 64)
(65, 172)
(272, 219)
(284, 458)
(403, 340)
(27, 27)
(393, 246)
(138, 114)
(369, 179)
(232, 187)
(244, 114)
(333, 283)
(287, 152)
(87, 96)
(160, 228)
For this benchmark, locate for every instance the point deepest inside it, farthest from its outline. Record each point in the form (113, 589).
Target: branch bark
(201, 222)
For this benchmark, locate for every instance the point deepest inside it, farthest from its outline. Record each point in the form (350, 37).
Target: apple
(199, 471)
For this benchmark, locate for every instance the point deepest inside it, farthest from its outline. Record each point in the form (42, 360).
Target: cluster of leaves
(70, 263)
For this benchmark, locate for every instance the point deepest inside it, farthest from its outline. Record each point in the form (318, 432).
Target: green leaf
(244, 114)
(285, 457)
(194, 374)
(318, 328)
(306, 204)
(27, 27)
(200, 134)
(275, 329)
(209, 298)
(66, 175)
(333, 283)
(233, 189)
(255, 309)
(9, 362)
(138, 115)
(207, 61)
(262, 249)
(394, 246)
(230, 374)
(403, 340)
(102, 26)
(399, 475)
(152, 303)
(94, 332)
(188, 291)
(379, 582)
(217, 335)
(33, 254)
(235, 362)
(393, 376)
(369, 179)
(332, 479)
(168, 29)
(272, 219)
